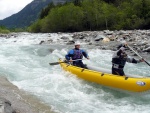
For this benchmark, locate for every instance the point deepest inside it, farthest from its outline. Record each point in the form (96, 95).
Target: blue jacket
(76, 54)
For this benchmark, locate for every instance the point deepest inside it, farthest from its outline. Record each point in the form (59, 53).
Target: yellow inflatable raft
(132, 84)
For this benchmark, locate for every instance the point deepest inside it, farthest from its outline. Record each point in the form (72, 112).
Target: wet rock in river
(5, 106)
(147, 49)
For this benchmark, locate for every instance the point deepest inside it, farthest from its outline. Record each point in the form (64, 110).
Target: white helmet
(77, 43)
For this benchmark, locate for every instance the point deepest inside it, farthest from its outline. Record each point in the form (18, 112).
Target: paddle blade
(55, 63)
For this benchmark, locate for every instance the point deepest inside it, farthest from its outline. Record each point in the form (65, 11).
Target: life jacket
(77, 54)
(119, 61)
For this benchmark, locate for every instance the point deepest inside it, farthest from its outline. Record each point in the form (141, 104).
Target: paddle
(138, 55)
(56, 63)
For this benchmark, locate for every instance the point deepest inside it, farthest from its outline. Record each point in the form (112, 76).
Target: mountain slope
(26, 16)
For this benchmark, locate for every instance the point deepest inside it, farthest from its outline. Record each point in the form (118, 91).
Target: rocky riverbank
(14, 100)
(105, 40)
(108, 40)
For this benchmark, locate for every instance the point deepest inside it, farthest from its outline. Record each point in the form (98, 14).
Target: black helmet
(121, 45)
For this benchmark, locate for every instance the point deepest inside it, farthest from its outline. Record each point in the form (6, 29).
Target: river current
(26, 64)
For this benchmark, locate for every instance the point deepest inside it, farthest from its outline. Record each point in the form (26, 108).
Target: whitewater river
(26, 64)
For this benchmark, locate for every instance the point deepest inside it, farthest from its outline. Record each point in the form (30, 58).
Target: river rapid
(25, 63)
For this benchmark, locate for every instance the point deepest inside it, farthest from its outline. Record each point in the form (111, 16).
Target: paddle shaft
(138, 55)
(76, 60)
(55, 63)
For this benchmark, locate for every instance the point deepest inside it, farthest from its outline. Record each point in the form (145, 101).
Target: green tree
(93, 17)
(3, 29)
(45, 11)
(109, 15)
(36, 27)
(77, 2)
(66, 18)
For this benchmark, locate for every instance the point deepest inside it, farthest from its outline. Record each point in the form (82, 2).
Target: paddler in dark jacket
(77, 54)
(120, 58)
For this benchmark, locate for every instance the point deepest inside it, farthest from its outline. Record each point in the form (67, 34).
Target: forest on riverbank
(91, 15)
(4, 29)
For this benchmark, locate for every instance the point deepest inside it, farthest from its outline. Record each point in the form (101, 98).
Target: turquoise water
(26, 64)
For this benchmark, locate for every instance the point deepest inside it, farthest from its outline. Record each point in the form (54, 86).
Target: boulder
(106, 40)
(147, 49)
(5, 106)
(99, 37)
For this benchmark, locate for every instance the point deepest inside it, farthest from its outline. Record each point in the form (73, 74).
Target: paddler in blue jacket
(120, 58)
(77, 55)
